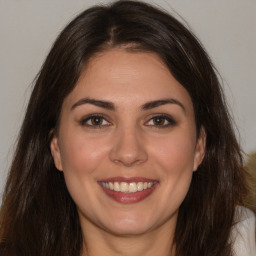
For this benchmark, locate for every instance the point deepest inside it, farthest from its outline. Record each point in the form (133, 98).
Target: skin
(130, 142)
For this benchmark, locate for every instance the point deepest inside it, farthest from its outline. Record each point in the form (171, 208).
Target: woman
(126, 147)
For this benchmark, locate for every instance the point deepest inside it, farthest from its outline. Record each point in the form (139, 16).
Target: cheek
(174, 160)
(82, 155)
(176, 153)
(82, 158)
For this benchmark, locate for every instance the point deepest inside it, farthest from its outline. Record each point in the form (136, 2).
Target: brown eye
(161, 121)
(95, 121)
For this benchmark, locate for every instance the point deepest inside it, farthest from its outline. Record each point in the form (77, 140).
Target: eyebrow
(98, 103)
(157, 103)
(110, 106)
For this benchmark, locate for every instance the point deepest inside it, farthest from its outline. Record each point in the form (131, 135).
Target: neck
(155, 242)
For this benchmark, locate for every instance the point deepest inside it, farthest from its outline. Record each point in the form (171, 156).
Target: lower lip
(129, 198)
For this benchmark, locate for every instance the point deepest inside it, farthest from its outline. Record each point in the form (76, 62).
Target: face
(127, 143)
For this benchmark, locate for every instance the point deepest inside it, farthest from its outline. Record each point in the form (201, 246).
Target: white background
(227, 29)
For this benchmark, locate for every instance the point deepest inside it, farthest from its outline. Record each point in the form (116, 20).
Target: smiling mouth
(128, 187)
(129, 190)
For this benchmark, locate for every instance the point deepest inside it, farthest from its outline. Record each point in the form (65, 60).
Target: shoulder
(243, 233)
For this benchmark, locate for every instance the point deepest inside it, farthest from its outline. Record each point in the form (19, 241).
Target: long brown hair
(38, 216)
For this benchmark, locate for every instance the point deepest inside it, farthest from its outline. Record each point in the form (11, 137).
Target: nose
(128, 148)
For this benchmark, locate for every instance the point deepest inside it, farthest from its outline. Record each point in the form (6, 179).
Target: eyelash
(84, 121)
(166, 118)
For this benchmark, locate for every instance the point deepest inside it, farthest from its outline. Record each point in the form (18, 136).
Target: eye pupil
(96, 120)
(158, 121)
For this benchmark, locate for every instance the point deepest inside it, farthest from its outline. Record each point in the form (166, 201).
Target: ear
(200, 149)
(55, 150)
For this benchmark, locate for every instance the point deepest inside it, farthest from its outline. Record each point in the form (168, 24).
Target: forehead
(122, 76)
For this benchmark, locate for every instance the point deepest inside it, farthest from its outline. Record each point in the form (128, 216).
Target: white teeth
(116, 186)
(132, 187)
(140, 186)
(150, 184)
(125, 187)
(111, 186)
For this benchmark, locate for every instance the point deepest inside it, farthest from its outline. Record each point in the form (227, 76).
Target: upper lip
(127, 179)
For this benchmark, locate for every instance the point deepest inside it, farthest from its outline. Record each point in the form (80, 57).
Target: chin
(131, 225)
(128, 229)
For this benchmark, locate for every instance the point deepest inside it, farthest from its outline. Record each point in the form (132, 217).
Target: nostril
(126, 163)
(128, 149)
(130, 161)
